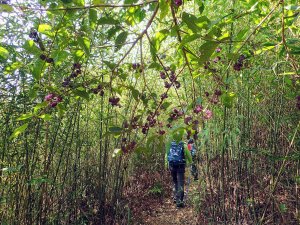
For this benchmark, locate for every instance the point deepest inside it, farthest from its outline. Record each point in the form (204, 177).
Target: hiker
(178, 156)
(192, 148)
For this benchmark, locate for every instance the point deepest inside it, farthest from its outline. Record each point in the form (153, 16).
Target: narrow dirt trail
(168, 214)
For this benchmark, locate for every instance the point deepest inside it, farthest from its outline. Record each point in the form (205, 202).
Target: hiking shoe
(180, 205)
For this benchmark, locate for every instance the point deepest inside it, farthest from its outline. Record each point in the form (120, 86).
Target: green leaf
(45, 29)
(110, 65)
(207, 49)
(85, 44)
(11, 68)
(39, 106)
(18, 131)
(3, 53)
(25, 116)
(79, 2)
(115, 129)
(107, 20)
(6, 8)
(59, 57)
(93, 17)
(164, 8)
(37, 69)
(81, 93)
(228, 99)
(190, 21)
(46, 117)
(31, 47)
(98, 2)
(121, 39)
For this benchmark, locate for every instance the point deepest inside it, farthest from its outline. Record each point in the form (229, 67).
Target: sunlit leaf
(116, 152)
(6, 8)
(3, 53)
(46, 117)
(18, 131)
(25, 116)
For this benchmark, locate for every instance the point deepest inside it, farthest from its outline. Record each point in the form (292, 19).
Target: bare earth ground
(153, 210)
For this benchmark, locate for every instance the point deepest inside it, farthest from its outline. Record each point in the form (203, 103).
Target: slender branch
(87, 7)
(184, 50)
(139, 37)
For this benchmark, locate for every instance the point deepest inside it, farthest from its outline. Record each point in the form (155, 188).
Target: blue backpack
(176, 153)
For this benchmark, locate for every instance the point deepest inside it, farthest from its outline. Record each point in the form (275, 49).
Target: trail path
(168, 214)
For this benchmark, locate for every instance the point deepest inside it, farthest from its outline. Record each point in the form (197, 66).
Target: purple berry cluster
(134, 122)
(47, 59)
(114, 101)
(175, 114)
(178, 2)
(99, 90)
(127, 147)
(34, 35)
(137, 67)
(198, 109)
(53, 99)
(76, 70)
(239, 64)
(215, 97)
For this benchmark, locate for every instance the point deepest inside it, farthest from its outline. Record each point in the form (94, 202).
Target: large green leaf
(206, 50)
(121, 39)
(190, 21)
(18, 131)
(164, 8)
(25, 116)
(3, 53)
(115, 129)
(37, 69)
(107, 20)
(85, 44)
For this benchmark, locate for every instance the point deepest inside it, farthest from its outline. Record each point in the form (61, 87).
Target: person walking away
(193, 150)
(177, 157)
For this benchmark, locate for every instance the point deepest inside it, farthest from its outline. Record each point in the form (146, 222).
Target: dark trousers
(177, 172)
(194, 168)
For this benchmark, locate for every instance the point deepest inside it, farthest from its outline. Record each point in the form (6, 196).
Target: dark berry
(53, 104)
(43, 57)
(218, 50)
(187, 120)
(76, 65)
(178, 2)
(78, 71)
(218, 92)
(163, 75)
(161, 132)
(177, 84)
(206, 94)
(49, 60)
(164, 96)
(198, 109)
(172, 77)
(73, 75)
(167, 84)
(49, 97)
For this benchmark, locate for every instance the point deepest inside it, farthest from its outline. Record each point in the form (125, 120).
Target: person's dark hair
(191, 141)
